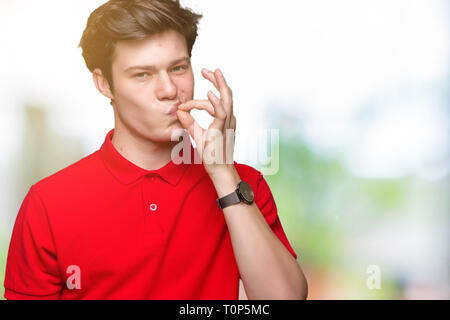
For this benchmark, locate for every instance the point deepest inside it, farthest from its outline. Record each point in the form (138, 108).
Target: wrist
(225, 182)
(219, 171)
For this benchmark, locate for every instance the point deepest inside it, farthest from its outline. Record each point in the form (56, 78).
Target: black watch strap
(228, 200)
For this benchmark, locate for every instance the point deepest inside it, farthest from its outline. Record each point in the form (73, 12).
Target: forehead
(157, 50)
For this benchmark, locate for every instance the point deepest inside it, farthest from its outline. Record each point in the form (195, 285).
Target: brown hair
(132, 20)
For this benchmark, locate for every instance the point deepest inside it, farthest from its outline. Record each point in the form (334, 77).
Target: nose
(166, 88)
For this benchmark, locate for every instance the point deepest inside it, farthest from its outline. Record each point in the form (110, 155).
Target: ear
(102, 84)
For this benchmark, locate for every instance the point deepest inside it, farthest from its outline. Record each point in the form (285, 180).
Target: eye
(180, 68)
(141, 75)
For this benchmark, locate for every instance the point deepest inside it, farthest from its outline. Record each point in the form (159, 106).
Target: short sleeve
(266, 204)
(32, 268)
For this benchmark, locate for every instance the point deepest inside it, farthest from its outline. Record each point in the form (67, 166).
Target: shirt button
(153, 207)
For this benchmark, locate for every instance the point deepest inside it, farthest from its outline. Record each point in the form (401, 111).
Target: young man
(132, 221)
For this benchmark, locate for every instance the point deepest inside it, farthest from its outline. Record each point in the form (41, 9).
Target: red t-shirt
(104, 228)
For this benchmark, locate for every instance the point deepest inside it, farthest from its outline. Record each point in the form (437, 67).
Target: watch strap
(228, 200)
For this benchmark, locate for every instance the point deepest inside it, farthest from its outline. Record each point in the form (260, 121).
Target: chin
(175, 129)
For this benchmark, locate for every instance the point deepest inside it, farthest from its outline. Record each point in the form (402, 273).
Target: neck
(144, 153)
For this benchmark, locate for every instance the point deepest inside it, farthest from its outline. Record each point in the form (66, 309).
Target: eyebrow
(153, 68)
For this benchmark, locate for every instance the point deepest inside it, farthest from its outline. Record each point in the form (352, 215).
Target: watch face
(246, 191)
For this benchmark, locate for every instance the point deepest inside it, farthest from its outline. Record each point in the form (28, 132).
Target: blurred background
(358, 91)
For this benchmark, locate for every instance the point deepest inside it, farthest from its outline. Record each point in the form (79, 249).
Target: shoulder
(247, 170)
(250, 175)
(79, 172)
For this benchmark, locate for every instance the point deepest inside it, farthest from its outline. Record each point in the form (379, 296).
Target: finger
(209, 75)
(233, 125)
(194, 129)
(225, 95)
(214, 77)
(198, 104)
(221, 116)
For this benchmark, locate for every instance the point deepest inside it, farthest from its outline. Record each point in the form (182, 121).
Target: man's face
(150, 77)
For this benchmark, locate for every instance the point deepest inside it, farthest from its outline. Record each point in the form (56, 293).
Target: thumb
(194, 129)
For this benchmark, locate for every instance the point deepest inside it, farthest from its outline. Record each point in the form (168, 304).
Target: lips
(174, 108)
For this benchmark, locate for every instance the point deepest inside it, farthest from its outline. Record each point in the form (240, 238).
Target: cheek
(135, 106)
(186, 91)
(134, 96)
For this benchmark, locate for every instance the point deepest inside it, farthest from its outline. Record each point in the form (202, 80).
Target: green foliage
(322, 205)
(301, 189)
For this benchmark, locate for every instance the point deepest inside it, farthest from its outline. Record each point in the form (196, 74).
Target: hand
(216, 144)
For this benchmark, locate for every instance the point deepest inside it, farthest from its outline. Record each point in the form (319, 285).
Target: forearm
(267, 268)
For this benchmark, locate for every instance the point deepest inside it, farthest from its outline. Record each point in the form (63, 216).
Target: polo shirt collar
(127, 172)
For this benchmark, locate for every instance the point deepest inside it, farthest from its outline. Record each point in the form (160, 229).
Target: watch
(243, 193)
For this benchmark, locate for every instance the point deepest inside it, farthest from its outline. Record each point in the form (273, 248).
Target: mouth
(173, 109)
